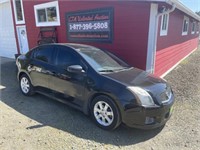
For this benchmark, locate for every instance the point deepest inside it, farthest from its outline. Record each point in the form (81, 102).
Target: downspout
(156, 32)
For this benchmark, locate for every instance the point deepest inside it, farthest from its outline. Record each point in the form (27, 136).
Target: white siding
(7, 37)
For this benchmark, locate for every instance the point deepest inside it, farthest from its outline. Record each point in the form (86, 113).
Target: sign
(90, 26)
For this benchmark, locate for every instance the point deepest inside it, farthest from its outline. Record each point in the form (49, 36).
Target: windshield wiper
(106, 70)
(121, 69)
(115, 69)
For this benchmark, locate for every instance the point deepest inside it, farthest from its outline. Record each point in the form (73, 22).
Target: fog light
(149, 120)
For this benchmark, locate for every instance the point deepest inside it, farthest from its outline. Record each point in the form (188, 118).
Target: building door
(8, 47)
(22, 39)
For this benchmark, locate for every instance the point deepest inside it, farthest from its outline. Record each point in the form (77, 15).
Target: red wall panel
(168, 57)
(131, 21)
(173, 47)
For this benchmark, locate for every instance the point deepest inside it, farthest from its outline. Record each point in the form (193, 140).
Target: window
(47, 14)
(66, 58)
(44, 54)
(18, 11)
(164, 24)
(193, 27)
(198, 28)
(185, 25)
(101, 61)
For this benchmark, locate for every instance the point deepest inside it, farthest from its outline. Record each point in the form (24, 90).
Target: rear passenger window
(44, 54)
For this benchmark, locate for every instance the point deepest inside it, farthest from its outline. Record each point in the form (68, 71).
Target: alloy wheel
(103, 113)
(25, 86)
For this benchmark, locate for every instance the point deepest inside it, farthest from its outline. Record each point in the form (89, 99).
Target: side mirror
(75, 69)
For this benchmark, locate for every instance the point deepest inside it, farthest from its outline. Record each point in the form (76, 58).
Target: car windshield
(102, 61)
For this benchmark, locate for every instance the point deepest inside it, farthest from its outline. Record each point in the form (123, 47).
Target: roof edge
(179, 6)
(184, 8)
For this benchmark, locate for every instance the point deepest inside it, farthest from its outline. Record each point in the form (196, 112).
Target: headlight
(143, 96)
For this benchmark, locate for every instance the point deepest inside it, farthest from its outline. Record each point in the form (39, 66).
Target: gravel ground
(37, 123)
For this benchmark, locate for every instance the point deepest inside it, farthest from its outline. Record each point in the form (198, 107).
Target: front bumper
(148, 118)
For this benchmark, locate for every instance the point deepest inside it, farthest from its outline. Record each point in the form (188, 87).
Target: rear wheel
(26, 86)
(105, 113)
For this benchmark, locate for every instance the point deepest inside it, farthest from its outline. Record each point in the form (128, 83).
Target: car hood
(135, 77)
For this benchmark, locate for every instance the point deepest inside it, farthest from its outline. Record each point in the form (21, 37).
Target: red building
(154, 35)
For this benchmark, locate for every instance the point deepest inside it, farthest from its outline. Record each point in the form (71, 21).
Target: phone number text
(91, 26)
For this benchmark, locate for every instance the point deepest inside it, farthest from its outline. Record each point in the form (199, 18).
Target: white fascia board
(185, 9)
(179, 6)
(150, 60)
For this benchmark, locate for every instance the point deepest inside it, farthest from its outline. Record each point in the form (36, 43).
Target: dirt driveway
(40, 123)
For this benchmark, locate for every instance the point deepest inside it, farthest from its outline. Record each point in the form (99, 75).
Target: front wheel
(25, 85)
(105, 113)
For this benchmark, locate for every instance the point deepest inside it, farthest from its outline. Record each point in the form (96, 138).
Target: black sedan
(98, 83)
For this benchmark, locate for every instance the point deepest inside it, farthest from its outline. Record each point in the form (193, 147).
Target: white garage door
(8, 46)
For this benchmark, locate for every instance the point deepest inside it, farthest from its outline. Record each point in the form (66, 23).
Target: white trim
(164, 32)
(19, 42)
(187, 19)
(164, 74)
(151, 38)
(193, 23)
(185, 9)
(15, 12)
(179, 6)
(47, 5)
(197, 28)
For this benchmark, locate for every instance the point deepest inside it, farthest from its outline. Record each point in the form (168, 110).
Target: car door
(40, 65)
(63, 81)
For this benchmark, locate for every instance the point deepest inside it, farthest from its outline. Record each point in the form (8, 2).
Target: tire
(105, 113)
(26, 86)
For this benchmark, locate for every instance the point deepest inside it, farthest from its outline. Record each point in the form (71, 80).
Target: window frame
(45, 6)
(15, 12)
(187, 20)
(67, 50)
(193, 31)
(43, 48)
(197, 28)
(164, 32)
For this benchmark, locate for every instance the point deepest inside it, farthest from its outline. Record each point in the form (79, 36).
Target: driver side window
(65, 58)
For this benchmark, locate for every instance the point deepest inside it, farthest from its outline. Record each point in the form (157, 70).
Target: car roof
(77, 46)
